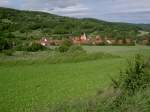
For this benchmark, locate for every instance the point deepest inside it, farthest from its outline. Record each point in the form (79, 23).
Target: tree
(5, 44)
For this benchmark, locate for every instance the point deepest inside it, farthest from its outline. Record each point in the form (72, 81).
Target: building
(46, 42)
(81, 40)
(83, 37)
(145, 41)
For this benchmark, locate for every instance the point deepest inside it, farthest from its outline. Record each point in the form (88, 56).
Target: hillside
(145, 27)
(32, 24)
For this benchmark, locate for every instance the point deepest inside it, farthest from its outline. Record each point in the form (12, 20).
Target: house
(108, 41)
(57, 42)
(145, 41)
(99, 40)
(76, 40)
(120, 42)
(44, 41)
(113, 41)
(129, 41)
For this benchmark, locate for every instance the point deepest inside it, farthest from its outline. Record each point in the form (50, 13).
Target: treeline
(31, 24)
(145, 27)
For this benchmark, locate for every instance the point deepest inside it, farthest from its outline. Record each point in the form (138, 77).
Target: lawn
(24, 88)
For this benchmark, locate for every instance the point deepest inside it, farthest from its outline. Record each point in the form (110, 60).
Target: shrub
(22, 46)
(5, 44)
(67, 42)
(75, 48)
(134, 78)
(36, 47)
(8, 52)
(64, 47)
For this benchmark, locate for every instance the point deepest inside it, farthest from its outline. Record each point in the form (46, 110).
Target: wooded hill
(32, 24)
(145, 27)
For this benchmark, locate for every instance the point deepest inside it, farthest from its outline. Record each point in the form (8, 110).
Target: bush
(135, 77)
(65, 45)
(36, 47)
(21, 46)
(5, 44)
(63, 48)
(8, 52)
(75, 48)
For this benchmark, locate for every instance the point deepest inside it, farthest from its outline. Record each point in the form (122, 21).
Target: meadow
(37, 86)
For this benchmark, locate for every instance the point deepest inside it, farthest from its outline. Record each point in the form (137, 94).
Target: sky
(131, 11)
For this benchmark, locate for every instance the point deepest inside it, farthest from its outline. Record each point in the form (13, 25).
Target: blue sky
(133, 11)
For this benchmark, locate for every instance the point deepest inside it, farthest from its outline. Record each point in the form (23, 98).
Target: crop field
(27, 87)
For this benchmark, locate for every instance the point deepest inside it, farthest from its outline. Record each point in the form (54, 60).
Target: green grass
(26, 87)
(124, 51)
(22, 85)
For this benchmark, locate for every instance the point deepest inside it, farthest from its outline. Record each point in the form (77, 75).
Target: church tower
(83, 37)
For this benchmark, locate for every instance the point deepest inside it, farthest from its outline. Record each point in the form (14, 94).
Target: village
(97, 40)
(74, 56)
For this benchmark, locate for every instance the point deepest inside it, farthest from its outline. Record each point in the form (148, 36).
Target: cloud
(132, 17)
(4, 2)
(76, 10)
(111, 10)
(49, 3)
(71, 8)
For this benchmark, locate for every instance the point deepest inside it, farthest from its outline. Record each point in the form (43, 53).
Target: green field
(26, 87)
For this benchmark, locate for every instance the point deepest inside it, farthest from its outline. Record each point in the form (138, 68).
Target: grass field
(26, 87)
(123, 51)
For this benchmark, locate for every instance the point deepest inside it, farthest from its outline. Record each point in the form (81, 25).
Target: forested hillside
(34, 25)
(145, 27)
